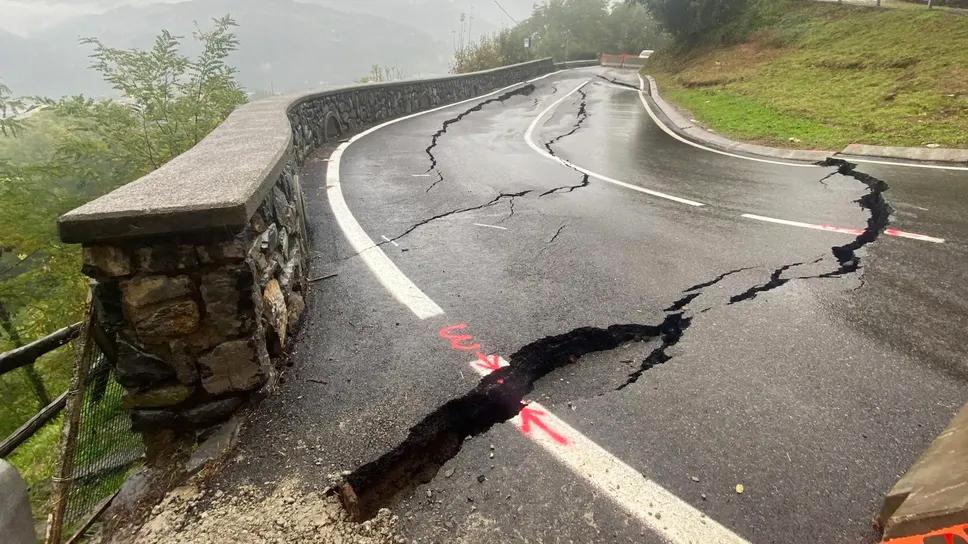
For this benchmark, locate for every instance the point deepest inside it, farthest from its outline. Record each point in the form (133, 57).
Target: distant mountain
(284, 45)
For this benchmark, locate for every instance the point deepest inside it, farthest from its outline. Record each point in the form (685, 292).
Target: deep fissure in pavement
(874, 202)
(581, 117)
(497, 398)
(848, 261)
(435, 138)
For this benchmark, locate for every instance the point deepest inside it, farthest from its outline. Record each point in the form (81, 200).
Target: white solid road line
(856, 232)
(848, 158)
(529, 139)
(395, 281)
(385, 239)
(653, 505)
(670, 132)
(666, 514)
(489, 226)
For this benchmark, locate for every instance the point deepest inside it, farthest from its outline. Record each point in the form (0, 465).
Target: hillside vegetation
(824, 75)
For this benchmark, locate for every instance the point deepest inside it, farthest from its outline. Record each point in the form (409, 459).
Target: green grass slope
(826, 75)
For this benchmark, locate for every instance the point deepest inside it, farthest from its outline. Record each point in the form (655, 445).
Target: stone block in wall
(231, 367)
(164, 396)
(182, 362)
(166, 320)
(138, 370)
(153, 420)
(210, 413)
(103, 262)
(106, 297)
(231, 251)
(224, 291)
(275, 309)
(166, 258)
(144, 291)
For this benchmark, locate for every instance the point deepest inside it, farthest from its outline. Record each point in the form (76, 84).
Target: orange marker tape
(949, 535)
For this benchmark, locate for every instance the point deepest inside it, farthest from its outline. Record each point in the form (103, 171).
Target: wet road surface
(751, 352)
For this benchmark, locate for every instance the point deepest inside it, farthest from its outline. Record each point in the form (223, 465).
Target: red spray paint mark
(458, 341)
(532, 416)
(488, 362)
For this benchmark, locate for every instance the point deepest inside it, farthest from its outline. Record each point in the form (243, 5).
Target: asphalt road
(815, 390)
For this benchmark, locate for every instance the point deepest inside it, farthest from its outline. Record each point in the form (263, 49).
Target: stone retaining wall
(199, 269)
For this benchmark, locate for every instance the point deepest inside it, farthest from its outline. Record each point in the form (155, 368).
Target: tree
(565, 30)
(171, 101)
(167, 103)
(9, 108)
(688, 20)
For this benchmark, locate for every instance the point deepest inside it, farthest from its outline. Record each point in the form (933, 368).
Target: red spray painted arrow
(490, 363)
(531, 416)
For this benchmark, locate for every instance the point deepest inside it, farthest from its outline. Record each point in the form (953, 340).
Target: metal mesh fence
(98, 448)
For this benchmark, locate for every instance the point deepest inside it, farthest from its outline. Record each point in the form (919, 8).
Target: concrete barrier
(934, 492)
(16, 522)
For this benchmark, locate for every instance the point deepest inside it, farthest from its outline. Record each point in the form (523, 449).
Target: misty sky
(25, 16)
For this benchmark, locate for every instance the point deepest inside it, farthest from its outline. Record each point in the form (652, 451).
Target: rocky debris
(247, 515)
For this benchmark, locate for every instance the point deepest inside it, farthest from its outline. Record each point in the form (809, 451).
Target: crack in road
(875, 204)
(435, 138)
(501, 395)
(585, 181)
(557, 233)
(488, 204)
(497, 398)
(581, 117)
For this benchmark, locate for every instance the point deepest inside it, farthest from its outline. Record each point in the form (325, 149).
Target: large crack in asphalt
(501, 395)
(492, 202)
(581, 117)
(497, 398)
(435, 138)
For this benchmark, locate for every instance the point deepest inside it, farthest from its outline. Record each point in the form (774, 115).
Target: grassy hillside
(827, 75)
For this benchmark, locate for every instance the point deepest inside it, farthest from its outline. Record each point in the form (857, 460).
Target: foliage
(172, 101)
(690, 20)
(565, 30)
(381, 74)
(73, 151)
(824, 76)
(9, 108)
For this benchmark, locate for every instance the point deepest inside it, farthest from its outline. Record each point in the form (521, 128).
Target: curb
(686, 128)
(933, 494)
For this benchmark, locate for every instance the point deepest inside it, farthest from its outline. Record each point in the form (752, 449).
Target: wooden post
(36, 382)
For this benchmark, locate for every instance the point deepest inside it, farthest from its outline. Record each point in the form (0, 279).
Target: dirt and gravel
(195, 514)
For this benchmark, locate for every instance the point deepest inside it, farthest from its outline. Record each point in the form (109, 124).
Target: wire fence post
(61, 481)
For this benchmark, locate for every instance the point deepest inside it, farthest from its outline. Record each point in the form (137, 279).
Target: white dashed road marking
(842, 230)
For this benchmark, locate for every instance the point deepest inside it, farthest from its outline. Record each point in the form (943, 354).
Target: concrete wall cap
(218, 183)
